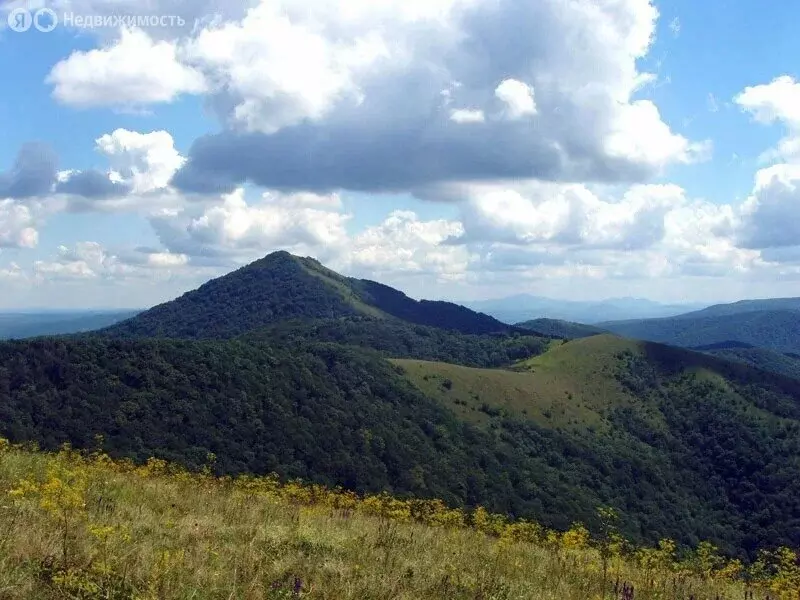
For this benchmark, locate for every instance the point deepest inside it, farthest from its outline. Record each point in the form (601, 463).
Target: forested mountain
(684, 445)
(394, 338)
(777, 330)
(763, 358)
(282, 286)
(560, 329)
(292, 376)
(745, 306)
(19, 325)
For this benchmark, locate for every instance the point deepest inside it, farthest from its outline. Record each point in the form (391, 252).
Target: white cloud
(403, 244)
(92, 260)
(467, 115)
(130, 71)
(17, 225)
(771, 214)
(308, 74)
(638, 134)
(571, 214)
(145, 161)
(778, 100)
(233, 229)
(518, 97)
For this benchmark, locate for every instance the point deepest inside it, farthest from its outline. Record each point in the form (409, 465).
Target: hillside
(686, 427)
(560, 329)
(777, 330)
(682, 444)
(745, 306)
(394, 338)
(768, 360)
(297, 382)
(158, 531)
(281, 286)
(18, 325)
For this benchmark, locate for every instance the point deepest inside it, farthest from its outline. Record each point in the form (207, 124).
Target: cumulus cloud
(467, 115)
(308, 92)
(232, 229)
(771, 214)
(568, 214)
(92, 260)
(518, 97)
(403, 244)
(132, 70)
(91, 184)
(33, 173)
(17, 225)
(140, 166)
(144, 161)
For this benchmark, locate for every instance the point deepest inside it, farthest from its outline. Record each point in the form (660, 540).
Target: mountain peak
(282, 286)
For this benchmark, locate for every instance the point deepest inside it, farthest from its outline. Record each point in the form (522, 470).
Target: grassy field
(569, 385)
(87, 527)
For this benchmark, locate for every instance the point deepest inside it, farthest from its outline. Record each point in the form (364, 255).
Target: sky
(459, 149)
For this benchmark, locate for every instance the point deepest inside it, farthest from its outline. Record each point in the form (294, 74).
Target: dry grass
(78, 528)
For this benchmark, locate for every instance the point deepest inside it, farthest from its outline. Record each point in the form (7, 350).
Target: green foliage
(398, 339)
(777, 330)
(561, 329)
(680, 443)
(282, 286)
(761, 358)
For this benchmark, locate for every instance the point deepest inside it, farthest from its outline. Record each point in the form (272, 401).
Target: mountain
(560, 329)
(682, 444)
(746, 306)
(777, 330)
(524, 307)
(282, 286)
(340, 381)
(762, 358)
(18, 325)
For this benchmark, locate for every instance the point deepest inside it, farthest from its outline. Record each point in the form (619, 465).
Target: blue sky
(454, 148)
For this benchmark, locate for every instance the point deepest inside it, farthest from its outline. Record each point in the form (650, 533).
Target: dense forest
(777, 330)
(282, 286)
(557, 328)
(393, 338)
(281, 367)
(694, 459)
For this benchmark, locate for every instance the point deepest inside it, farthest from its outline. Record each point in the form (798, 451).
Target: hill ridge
(283, 286)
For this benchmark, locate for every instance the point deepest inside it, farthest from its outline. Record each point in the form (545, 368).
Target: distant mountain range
(18, 325)
(768, 324)
(764, 333)
(525, 307)
(287, 366)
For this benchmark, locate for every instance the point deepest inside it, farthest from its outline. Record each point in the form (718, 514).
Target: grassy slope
(565, 387)
(140, 534)
(705, 432)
